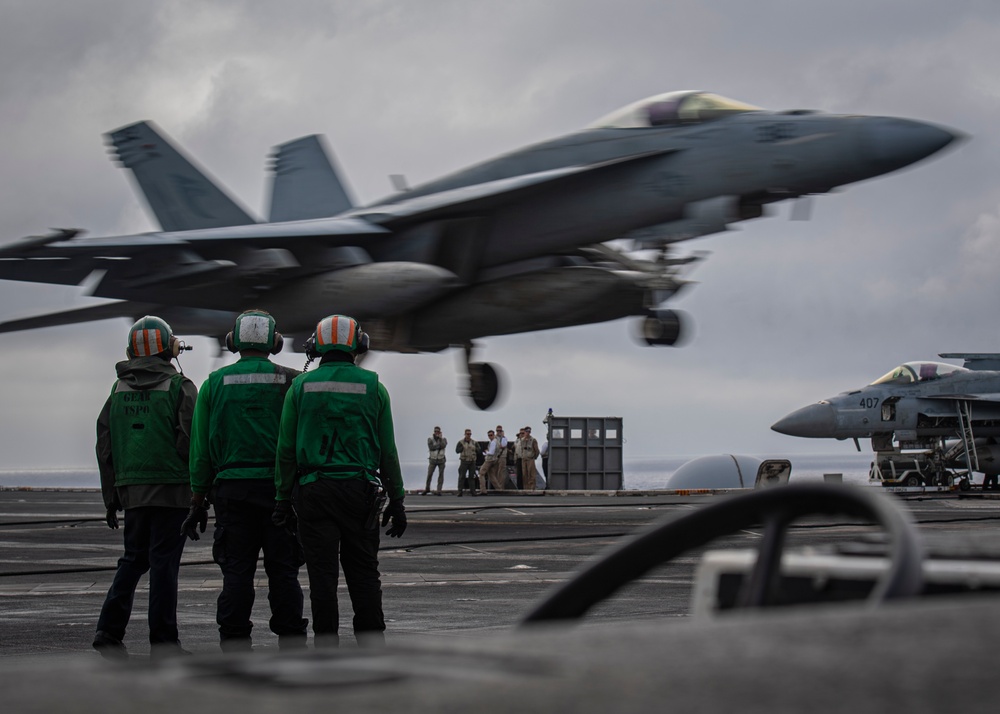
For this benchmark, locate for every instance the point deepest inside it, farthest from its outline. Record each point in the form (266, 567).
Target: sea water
(640, 474)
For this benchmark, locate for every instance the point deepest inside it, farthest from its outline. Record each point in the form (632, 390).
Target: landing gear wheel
(484, 385)
(964, 485)
(776, 508)
(912, 480)
(664, 328)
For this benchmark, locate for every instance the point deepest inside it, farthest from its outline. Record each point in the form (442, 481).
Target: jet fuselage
(513, 244)
(914, 401)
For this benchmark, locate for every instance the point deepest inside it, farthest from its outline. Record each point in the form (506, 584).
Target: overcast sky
(893, 269)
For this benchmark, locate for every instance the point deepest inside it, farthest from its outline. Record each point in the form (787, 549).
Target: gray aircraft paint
(923, 402)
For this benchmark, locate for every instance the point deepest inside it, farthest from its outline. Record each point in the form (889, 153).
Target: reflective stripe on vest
(337, 387)
(245, 409)
(259, 378)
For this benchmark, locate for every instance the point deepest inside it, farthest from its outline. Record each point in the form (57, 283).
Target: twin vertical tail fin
(180, 195)
(306, 183)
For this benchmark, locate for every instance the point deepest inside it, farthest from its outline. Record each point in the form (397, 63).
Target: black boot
(109, 646)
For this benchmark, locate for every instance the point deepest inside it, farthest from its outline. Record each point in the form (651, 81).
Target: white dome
(717, 471)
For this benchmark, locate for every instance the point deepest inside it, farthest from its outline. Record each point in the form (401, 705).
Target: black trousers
(243, 529)
(467, 473)
(153, 543)
(332, 515)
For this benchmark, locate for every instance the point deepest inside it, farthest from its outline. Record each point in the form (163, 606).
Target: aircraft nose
(816, 421)
(891, 143)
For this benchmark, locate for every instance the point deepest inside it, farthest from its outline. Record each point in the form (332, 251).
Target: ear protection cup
(174, 346)
(363, 342)
(230, 343)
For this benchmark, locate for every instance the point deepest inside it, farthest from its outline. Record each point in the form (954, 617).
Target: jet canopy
(912, 372)
(673, 109)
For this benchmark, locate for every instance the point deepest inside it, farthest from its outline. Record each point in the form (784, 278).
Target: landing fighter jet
(919, 406)
(514, 244)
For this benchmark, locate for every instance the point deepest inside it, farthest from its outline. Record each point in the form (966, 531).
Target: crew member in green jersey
(233, 439)
(337, 453)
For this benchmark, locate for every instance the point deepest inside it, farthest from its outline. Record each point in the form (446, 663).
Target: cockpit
(912, 372)
(673, 109)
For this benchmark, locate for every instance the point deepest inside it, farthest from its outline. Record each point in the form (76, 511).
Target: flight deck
(465, 567)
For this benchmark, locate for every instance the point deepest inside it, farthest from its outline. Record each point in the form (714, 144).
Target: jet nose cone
(894, 143)
(816, 421)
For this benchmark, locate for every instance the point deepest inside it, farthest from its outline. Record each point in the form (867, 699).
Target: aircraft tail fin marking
(306, 183)
(179, 194)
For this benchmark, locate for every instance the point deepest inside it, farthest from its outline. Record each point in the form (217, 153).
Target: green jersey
(337, 423)
(236, 418)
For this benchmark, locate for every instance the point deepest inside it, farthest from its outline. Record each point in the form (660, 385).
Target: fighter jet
(514, 244)
(931, 406)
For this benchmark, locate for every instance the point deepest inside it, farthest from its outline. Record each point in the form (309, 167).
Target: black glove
(111, 515)
(284, 516)
(397, 513)
(197, 516)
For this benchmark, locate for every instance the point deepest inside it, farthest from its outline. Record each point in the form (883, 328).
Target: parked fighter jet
(917, 405)
(510, 245)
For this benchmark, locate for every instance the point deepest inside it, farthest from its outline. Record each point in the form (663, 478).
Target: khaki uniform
(529, 452)
(495, 468)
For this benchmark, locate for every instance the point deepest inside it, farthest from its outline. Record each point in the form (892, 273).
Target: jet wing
(191, 267)
(134, 263)
(184, 320)
(340, 230)
(123, 308)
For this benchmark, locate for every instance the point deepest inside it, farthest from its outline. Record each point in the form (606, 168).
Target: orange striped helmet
(151, 336)
(339, 332)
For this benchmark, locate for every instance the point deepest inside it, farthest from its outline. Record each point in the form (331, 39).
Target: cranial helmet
(254, 330)
(151, 336)
(338, 332)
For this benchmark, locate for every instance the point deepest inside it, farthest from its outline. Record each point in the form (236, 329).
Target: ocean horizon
(640, 474)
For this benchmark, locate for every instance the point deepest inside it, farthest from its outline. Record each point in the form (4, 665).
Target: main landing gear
(484, 382)
(662, 328)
